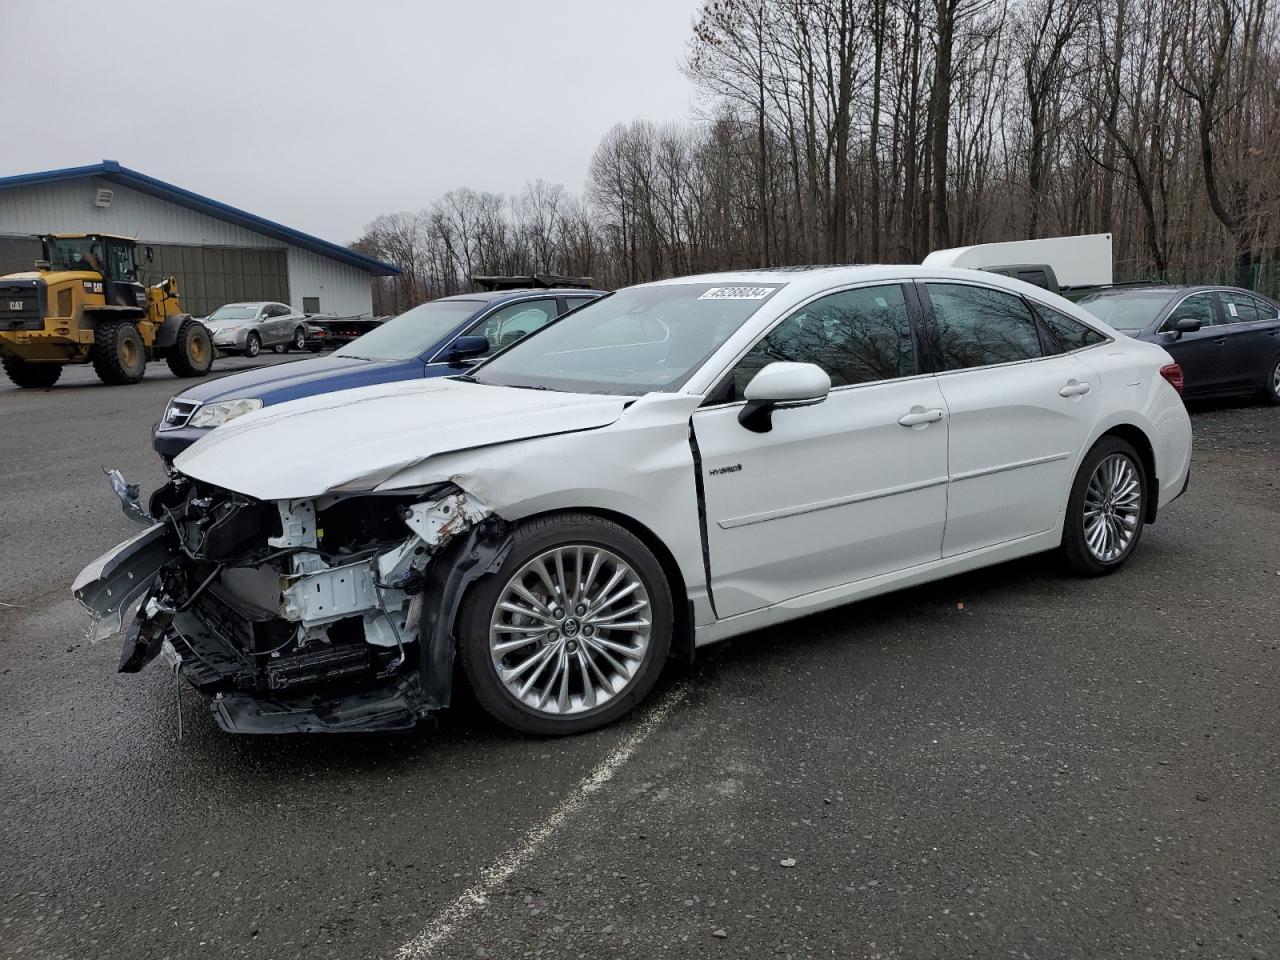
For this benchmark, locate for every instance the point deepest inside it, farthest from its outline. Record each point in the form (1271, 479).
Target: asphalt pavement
(1010, 763)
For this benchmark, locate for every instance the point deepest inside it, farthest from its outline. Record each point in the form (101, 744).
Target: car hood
(356, 439)
(263, 381)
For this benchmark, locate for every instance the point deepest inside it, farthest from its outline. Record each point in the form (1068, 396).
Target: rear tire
(119, 355)
(1106, 510)
(619, 647)
(192, 353)
(1271, 385)
(299, 341)
(35, 375)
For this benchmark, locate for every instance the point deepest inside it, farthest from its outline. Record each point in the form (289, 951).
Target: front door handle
(1220, 340)
(1074, 388)
(918, 417)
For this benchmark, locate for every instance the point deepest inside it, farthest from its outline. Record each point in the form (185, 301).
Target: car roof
(1171, 289)
(493, 296)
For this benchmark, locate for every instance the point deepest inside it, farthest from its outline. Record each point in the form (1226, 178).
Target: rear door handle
(920, 417)
(1074, 388)
(1220, 340)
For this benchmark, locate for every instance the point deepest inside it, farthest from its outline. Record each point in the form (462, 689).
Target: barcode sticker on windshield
(737, 293)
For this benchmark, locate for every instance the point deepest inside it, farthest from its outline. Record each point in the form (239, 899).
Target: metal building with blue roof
(219, 253)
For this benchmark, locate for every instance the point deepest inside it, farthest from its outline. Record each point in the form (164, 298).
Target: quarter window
(978, 326)
(1266, 309)
(1069, 332)
(856, 336)
(1197, 307)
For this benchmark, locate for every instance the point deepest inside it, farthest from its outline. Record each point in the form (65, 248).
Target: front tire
(119, 355)
(572, 632)
(252, 345)
(1106, 510)
(192, 353)
(35, 375)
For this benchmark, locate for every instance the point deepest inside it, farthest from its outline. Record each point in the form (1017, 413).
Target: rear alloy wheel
(25, 374)
(299, 341)
(1271, 386)
(192, 352)
(252, 345)
(572, 631)
(1107, 508)
(119, 355)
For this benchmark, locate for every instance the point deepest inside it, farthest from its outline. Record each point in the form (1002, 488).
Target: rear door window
(979, 326)
(1239, 307)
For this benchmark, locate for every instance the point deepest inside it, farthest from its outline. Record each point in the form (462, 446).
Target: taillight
(1173, 373)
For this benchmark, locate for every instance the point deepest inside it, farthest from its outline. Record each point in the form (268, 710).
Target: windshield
(234, 311)
(1130, 311)
(412, 333)
(74, 254)
(638, 340)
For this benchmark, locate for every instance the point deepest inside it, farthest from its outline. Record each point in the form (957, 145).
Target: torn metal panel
(438, 520)
(297, 524)
(112, 586)
(129, 494)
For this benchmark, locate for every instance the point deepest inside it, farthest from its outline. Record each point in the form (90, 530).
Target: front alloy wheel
(570, 629)
(573, 630)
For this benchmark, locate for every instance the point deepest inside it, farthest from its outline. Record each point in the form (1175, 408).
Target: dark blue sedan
(1227, 340)
(432, 340)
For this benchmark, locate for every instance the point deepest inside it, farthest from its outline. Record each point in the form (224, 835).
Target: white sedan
(666, 467)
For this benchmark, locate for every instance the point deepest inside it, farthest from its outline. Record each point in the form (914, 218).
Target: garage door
(208, 277)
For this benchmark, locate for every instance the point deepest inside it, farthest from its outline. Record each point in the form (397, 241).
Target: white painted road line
(423, 946)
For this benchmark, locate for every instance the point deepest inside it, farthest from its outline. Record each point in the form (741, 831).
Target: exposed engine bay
(326, 614)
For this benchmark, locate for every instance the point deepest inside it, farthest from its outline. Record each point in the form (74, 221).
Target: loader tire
(119, 355)
(192, 352)
(25, 374)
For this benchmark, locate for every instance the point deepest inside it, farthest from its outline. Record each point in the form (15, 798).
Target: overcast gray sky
(323, 114)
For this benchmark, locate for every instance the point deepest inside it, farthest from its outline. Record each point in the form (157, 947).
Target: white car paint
(841, 500)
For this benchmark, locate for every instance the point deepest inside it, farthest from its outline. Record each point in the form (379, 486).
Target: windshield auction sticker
(737, 293)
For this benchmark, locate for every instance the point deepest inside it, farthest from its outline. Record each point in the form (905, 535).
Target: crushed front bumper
(299, 615)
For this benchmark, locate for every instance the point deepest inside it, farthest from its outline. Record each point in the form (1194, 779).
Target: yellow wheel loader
(84, 304)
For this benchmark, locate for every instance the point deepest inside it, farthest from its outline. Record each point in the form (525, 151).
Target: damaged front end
(326, 614)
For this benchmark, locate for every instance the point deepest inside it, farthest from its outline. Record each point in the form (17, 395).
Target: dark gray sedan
(1227, 340)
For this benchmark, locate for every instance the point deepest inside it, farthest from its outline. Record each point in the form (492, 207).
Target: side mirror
(149, 254)
(1185, 325)
(779, 386)
(465, 348)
